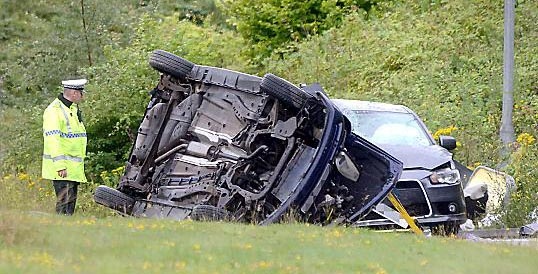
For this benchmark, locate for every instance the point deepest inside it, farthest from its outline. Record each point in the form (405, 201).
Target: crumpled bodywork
(487, 191)
(220, 144)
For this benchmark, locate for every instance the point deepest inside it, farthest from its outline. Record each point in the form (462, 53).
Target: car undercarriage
(216, 144)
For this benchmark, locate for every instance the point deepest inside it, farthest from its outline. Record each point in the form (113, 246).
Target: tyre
(170, 64)
(209, 213)
(113, 199)
(284, 91)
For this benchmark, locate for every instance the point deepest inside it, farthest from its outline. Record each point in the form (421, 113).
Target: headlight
(445, 176)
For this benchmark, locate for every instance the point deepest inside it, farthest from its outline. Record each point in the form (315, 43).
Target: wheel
(114, 199)
(170, 64)
(284, 91)
(209, 213)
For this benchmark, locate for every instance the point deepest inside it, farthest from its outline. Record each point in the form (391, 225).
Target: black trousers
(66, 196)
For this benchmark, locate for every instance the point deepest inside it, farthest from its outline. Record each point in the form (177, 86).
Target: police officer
(64, 149)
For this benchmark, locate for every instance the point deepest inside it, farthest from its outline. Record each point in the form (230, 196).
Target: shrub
(443, 60)
(272, 26)
(522, 167)
(118, 89)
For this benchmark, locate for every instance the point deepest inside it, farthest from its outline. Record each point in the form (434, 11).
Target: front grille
(413, 197)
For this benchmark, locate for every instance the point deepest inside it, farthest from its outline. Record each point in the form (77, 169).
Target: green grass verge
(32, 242)
(35, 240)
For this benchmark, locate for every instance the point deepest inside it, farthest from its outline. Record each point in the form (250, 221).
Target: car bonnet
(419, 157)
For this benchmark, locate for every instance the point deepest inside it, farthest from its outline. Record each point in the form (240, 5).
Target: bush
(118, 89)
(525, 198)
(444, 60)
(272, 26)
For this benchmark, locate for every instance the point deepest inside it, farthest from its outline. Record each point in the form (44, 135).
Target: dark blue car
(223, 145)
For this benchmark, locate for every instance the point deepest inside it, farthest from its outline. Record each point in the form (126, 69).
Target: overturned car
(220, 144)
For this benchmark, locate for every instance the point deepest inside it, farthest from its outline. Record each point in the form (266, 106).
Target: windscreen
(384, 127)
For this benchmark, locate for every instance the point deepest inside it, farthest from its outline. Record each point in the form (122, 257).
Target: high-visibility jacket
(64, 142)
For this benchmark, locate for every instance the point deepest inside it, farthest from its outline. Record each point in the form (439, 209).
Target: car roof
(369, 105)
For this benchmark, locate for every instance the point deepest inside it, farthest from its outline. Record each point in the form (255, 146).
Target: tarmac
(509, 236)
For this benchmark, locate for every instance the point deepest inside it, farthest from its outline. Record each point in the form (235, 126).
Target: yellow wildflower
(264, 264)
(444, 131)
(180, 265)
(44, 259)
(525, 139)
(88, 222)
(376, 268)
(170, 244)
(336, 234)
(23, 176)
(118, 171)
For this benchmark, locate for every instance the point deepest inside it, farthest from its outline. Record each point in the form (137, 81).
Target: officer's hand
(62, 173)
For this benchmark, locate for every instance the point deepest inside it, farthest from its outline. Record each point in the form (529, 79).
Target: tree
(85, 30)
(274, 25)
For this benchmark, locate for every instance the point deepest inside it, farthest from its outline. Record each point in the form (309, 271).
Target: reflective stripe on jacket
(64, 145)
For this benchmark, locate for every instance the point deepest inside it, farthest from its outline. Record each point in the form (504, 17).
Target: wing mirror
(447, 142)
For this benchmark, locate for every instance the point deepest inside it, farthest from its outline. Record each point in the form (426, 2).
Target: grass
(47, 243)
(35, 240)
(28, 192)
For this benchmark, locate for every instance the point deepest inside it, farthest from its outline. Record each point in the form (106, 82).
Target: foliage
(270, 25)
(444, 62)
(34, 59)
(111, 178)
(28, 192)
(22, 188)
(119, 88)
(21, 138)
(195, 11)
(52, 43)
(44, 42)
(522, 208)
